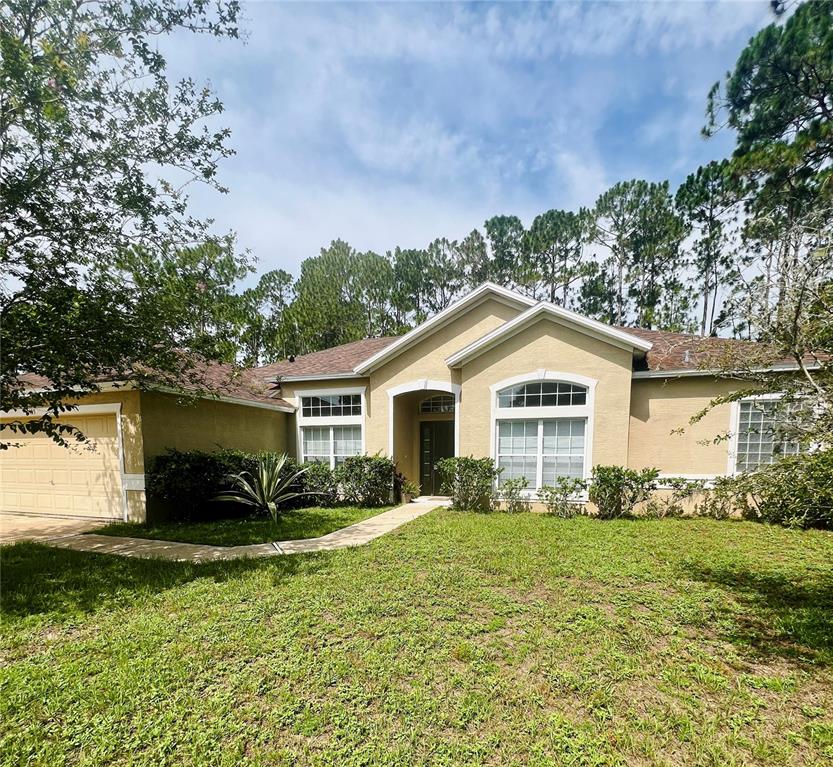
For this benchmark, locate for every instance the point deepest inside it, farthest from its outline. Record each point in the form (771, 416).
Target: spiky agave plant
(267, 488)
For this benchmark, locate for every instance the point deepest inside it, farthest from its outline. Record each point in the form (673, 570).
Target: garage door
(40, 477)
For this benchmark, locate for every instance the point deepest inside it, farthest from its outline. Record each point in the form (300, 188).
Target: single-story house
(542, 390)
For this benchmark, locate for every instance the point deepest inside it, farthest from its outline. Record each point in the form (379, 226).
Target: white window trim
(553, 412)
(328, 421)
(734, 428)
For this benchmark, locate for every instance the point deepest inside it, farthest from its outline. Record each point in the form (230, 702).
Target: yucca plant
(267, 488)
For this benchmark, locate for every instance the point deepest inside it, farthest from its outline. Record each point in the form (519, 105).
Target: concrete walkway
(354, 535)
(34, 527)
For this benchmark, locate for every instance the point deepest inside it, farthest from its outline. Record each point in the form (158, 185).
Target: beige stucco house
(542, 390)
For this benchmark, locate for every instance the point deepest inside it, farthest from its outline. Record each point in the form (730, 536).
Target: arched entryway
(423, 429)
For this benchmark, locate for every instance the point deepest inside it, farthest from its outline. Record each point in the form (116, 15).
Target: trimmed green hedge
(182, 483)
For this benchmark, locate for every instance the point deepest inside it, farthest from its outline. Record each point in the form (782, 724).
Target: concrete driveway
(25, 527)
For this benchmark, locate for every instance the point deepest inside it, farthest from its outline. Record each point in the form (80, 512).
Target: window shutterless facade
(330, 425)
(759, 440)
(543, 428)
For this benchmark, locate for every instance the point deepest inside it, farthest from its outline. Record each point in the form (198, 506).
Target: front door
(436, 441)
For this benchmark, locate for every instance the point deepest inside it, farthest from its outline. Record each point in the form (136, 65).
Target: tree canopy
(97, 148)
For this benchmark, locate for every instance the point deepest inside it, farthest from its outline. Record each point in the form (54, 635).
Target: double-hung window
(541, 431)
(330, 426)
(760, 437)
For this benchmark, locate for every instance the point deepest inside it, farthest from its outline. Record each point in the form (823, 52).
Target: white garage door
(41, 477)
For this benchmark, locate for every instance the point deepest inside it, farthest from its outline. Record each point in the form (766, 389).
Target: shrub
(512, 494)
(408, 488)
(795, 491)
(560, 497)
(268, 488)
(469, 482)
(366, 480)
(184, 481)
(616, 490)
(320, 484)
(727, 496)
(671, 503)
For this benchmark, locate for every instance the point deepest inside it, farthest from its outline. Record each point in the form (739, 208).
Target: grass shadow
(780, 617)
(39, 579)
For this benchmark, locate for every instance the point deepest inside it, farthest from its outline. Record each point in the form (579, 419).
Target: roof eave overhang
(717, 373)
(111, 386)
(556, 314)
(318, 377)
(438, 321)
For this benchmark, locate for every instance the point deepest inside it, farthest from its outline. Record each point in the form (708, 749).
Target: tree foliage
(97, 147)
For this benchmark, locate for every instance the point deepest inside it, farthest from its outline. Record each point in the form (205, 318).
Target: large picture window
(541, 450)
(760, 440)
(330, 425)
(330, 444)
(543, 428)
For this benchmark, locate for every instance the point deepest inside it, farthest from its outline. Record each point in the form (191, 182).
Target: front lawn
(292, 525)
(459, 639)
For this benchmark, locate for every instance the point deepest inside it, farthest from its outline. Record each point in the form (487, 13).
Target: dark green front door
(436, 441)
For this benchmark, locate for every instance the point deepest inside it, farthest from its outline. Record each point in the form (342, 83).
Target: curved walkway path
(354, 535)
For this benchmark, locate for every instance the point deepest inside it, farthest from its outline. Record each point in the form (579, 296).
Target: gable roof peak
(439, 320)
(581, 323)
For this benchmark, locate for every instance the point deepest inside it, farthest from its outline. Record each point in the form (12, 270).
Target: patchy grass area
(459, 639)
(293, 525)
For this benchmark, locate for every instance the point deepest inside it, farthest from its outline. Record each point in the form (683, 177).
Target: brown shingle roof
(338, 359)
(217, 378)
(671, 351)
(684, 351)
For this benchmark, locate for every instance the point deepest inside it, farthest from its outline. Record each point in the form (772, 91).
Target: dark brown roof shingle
(338, 359)
(216, 378)
(670, 352)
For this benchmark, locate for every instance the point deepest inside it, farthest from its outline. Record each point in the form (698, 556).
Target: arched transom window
(439, 403)
(542, 431)
(543, 394)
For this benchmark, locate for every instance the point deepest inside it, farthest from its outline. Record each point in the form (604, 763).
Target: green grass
(293, 525)
(459, 639)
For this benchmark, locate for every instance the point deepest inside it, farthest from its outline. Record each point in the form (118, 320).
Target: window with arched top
(542, 429)
(439, 403)
(543, 394)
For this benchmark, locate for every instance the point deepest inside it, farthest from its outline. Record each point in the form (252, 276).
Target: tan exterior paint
(45, 478)
(407, 419)
(554, 347)
(632, 418)
(105, 481)
(208, 425)
(660, 406)
(426, 360)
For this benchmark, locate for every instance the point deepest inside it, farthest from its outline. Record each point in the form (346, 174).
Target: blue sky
(393, 124)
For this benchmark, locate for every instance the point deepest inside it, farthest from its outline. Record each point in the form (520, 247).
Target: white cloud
(393, 124)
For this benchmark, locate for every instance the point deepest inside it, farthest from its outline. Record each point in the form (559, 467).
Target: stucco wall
(659, 406)
(426, 359)
(208, 425)
(550, 346)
